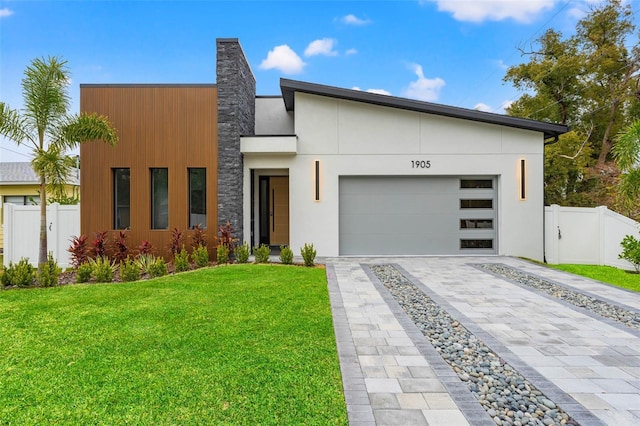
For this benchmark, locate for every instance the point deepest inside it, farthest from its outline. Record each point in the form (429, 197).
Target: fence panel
(585, 235)
(22, 232)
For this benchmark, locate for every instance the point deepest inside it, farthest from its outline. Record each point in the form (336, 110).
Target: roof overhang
(290, 87)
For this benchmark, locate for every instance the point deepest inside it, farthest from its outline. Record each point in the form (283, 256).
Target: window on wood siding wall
(198, 197)
(121, 198)
(159, 199)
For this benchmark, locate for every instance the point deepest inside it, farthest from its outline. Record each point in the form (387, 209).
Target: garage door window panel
(476, 204)
(476, 244)
(476, 223)
(476, 184)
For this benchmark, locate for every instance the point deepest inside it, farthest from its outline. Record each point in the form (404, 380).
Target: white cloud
(284, 59)
(379, 92)
(351, 52)
(354, 20)
(483, 107)
(505, 104)
(376, 91)
(494, 10)
(4, 12)
(500, 64)
(323, 46)
(424, 89)
(486, 108)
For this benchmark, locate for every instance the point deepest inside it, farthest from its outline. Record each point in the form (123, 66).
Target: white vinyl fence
(585, 235)
(22, 232)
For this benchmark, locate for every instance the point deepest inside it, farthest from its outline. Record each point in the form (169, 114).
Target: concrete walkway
(393, 376)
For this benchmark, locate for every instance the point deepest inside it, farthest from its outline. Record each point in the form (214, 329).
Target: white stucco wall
(271, 117)
(354, 138)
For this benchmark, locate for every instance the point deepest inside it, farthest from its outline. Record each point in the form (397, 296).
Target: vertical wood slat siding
(158, 126)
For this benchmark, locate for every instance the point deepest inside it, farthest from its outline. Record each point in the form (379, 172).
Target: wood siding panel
(173, 127)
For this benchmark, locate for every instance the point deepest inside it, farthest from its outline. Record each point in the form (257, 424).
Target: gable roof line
(289, 87)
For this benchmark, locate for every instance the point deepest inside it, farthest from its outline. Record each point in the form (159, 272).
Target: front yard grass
(607, 274)
(242, 344)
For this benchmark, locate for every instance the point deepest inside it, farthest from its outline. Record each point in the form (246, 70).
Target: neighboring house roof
(21, 173)
(289, 87)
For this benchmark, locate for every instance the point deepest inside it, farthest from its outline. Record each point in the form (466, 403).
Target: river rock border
(505, 394)
(598, 306)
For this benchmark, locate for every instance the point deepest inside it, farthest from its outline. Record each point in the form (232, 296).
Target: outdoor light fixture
(523, 173)
(317, 169)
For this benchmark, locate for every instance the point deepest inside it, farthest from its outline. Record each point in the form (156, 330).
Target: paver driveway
(588, 365)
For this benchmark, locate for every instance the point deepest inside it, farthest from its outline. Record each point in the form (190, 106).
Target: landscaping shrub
(631, 251)
(20, 274)
(83, 273)
(78, 250)
(49, 272)
(175, 243)
(100, 245)
(222, 254)
(200, 256)
(102, 269)
(129, 270)
(226, 237)
(145, 247)
(308, 254)
(144, 262)
(242, 253)
(262, 253)
(181, 261)
(198, 238)
(158, 268)
(286, 255)
(122, 251)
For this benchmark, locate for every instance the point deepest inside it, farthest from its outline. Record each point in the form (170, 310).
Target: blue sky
(453, 52)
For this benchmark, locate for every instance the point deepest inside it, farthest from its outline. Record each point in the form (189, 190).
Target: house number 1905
(420, 164)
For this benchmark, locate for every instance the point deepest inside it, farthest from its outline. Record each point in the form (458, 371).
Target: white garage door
(409, 215)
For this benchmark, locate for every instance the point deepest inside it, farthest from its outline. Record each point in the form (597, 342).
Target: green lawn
(607, 274)
(242, 344)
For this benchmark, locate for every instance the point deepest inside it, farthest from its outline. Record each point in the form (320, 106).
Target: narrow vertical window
(159, 199)
(121, 198)
(197, 197)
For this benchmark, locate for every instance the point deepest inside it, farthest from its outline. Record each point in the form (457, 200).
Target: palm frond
(55, 167)
(13, 126)
(629, 188)
(84, 128)
(626, 151)
(45, 93)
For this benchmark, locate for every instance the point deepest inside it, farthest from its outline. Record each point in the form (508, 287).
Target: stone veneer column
(236, 117)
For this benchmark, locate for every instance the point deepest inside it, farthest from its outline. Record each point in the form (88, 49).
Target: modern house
(352, 172)
(20, 184)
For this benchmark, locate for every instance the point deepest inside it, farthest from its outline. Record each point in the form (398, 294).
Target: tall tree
(590, 82)
(45, 125)
(610, 70)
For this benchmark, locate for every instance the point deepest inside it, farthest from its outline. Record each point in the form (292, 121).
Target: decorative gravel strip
(503, 392)
(597, 306)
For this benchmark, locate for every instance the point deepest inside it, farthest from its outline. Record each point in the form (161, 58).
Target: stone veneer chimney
(236, 117)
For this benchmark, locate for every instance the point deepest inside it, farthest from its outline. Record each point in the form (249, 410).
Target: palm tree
(45, 125)
(626, 153)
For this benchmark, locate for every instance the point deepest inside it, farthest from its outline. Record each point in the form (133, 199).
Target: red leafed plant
(78, 250)
(226, 237)
(175, 243)
(122, 251)
(100, 245)
(199, 237)
(145, 247)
